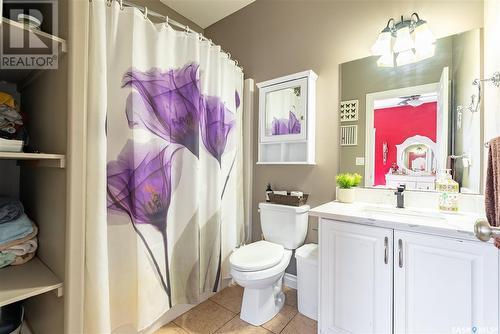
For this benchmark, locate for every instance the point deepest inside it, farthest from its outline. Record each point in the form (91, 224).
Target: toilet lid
(258, 255)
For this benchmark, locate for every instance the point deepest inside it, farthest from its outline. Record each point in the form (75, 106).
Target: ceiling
(206, 12)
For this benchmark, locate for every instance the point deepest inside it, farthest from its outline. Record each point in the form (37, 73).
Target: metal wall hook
(494, 79)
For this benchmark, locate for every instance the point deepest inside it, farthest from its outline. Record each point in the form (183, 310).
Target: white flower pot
(345, 195)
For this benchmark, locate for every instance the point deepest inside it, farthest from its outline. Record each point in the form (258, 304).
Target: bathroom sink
(380, 212)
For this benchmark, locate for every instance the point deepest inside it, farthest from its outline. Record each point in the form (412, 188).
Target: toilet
(259, 267)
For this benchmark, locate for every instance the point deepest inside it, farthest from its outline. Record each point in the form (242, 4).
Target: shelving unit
(27, 280)
(42, 95)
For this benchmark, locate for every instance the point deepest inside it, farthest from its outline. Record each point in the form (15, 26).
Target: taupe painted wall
(271, 38)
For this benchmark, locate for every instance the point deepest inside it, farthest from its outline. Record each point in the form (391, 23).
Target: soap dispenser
(448, 191)
(269, 190)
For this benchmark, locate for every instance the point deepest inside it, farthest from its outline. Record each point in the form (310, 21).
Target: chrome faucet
(400, 196)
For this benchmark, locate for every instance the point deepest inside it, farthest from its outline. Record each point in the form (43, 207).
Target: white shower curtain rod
(168, 21)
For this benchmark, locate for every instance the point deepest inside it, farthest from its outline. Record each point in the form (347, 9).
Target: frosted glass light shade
(424, 52)
(405, 57)
(403, 40)
(386, 60)
(423, 35)
(383, 44)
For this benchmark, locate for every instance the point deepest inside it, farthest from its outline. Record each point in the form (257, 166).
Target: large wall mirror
(416, 120)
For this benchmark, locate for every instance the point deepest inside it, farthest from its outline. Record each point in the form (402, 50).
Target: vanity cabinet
(379, 280)
(355, 278)
(444, 285)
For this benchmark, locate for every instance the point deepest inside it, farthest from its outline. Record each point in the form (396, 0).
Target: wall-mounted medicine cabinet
(287, 119)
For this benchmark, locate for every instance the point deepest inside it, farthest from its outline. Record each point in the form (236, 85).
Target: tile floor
(220, 314)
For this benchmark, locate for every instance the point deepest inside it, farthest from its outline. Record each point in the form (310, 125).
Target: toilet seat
(257, 256)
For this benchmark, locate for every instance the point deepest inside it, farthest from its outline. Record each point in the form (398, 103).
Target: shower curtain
(164, 175)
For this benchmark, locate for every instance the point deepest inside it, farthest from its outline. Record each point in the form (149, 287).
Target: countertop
(456, 225)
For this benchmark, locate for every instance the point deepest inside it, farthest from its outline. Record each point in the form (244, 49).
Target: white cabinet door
(355, 278)
(444, 285)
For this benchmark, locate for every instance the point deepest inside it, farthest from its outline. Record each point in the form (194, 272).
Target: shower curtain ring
(187, 29)
(121, 4)
(108, 3)
(166, 21)
(145, 13)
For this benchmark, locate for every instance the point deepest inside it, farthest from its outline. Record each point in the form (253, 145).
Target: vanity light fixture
(408, 41)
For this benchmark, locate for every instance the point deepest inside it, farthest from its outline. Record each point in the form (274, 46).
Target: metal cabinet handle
(386, 250)
(484, 231)
(400, 246)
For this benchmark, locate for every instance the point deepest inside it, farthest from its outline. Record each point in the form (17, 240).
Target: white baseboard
(290, 281)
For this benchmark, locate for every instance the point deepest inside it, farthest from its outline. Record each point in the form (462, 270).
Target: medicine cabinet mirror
(286, 119)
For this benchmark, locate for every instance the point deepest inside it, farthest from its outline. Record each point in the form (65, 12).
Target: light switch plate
(360, 161)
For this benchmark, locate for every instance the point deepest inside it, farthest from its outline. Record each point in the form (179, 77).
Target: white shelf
(23, 77)
(37, 159)
(42, 35)
(27, 280)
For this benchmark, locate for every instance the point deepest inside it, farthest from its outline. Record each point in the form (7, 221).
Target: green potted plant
(345, 186)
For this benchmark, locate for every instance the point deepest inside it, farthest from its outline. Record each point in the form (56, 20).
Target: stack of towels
(18, 241)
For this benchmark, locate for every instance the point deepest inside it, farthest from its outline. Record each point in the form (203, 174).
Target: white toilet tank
(283, 224)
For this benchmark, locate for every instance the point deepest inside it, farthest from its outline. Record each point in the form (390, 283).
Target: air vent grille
(348, 135)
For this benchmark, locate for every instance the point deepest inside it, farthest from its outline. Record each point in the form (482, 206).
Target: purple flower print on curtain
(224, 115)
(216, 122)
(170, 103)
(139, 184)
(285, 126)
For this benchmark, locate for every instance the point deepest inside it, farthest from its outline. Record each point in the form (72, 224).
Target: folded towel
(280, 192)
(22, 259)
(10, 209)
(15, 230)
(9, 244)
(297, 193)
(6, 259)
(25, 247)
(491, 191)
